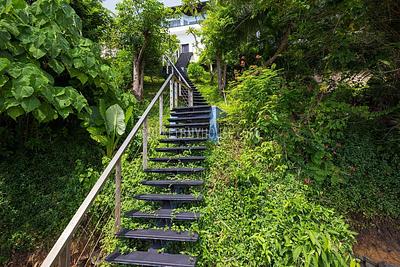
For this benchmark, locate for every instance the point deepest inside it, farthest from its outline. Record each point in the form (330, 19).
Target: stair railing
(60, 254)
(176, 89)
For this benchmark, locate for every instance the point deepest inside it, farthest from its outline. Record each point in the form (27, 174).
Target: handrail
(73, 224)
(180, 74)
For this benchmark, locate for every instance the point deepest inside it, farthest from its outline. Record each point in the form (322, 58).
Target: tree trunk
(224, 76)
(138, 69)
(219, 73)
(212, 74)
(137, 85)
(282, 46)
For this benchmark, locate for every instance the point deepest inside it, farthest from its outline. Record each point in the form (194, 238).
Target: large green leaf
(115, 120)
(15, 112)
(56, 66)
(45, 113)
(30, 104)
(36, 52)
(3, 80)
(4, 63)
(21, 92)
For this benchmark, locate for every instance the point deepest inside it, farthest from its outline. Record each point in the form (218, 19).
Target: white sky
(110, 4)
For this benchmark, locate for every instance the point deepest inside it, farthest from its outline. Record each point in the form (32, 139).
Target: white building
(180, 27)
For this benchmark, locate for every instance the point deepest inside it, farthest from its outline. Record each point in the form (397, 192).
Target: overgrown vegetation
(257, 212)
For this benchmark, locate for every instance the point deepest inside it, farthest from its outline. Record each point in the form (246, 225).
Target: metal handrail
(180, 74)
(72, 226)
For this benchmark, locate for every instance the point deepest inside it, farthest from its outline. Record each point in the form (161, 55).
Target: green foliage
(142, 25)
(196, 72)
(310, 38)
(108, 125)
(96, 19)
(257, 213)
(43, 180)
(330, 143)
(47, 68)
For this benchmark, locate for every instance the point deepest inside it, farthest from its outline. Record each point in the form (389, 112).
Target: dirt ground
(379, 240)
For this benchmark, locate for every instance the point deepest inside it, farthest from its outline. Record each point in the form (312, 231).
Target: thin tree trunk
(219, 73)
(224, 76)
(212, 74)
(138, 70)
(282, 46)
(137, 86)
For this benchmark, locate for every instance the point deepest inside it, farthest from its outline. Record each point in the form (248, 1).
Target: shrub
(196, 72)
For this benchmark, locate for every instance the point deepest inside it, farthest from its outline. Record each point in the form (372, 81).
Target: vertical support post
(176, 94)
(161, 108)
(118, 181)
(64, 259)
(190, 96)
(171, 94)
(145, 140)
(180, 86)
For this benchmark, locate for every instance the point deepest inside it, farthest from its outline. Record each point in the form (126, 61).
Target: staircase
(183, 144)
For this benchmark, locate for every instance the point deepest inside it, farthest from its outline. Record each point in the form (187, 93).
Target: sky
(110, 4)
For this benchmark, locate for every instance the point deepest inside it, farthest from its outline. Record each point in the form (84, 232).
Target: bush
(258, 214)
(196, 72)
(343, 149)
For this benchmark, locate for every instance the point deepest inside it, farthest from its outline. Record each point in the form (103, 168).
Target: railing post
(118, 180)
(64, 259)
(171, 94)
(161, 108)
(176, 94)
(145, 140)
(190, 96)
(180, 86)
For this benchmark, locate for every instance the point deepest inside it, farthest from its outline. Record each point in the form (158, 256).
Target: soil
(378, 240)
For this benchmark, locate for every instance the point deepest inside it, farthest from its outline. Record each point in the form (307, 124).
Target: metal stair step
(189, 125)
(169, 197)
(183, 140)
(164, 214)
(179, 159)
(198, 118)
(143, 258)
(187, 133)
(207, 107)
(158, 234)
(190, 113)
(181, 149)
(175, 183)
(175, 170)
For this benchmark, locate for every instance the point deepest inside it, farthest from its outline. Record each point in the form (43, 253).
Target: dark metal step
(189, 125)
(175, 183)
(190, 113)
(143, 258)
(189, 119)
(158, 234)
(183, 140)
(179, 159)
(164, 214)
(181, 149)
(175, 170)
(188, 133)
(169, 197)
(197, 108)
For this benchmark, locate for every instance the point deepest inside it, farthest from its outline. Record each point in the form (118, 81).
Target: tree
(142, 28)
(95, 18)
